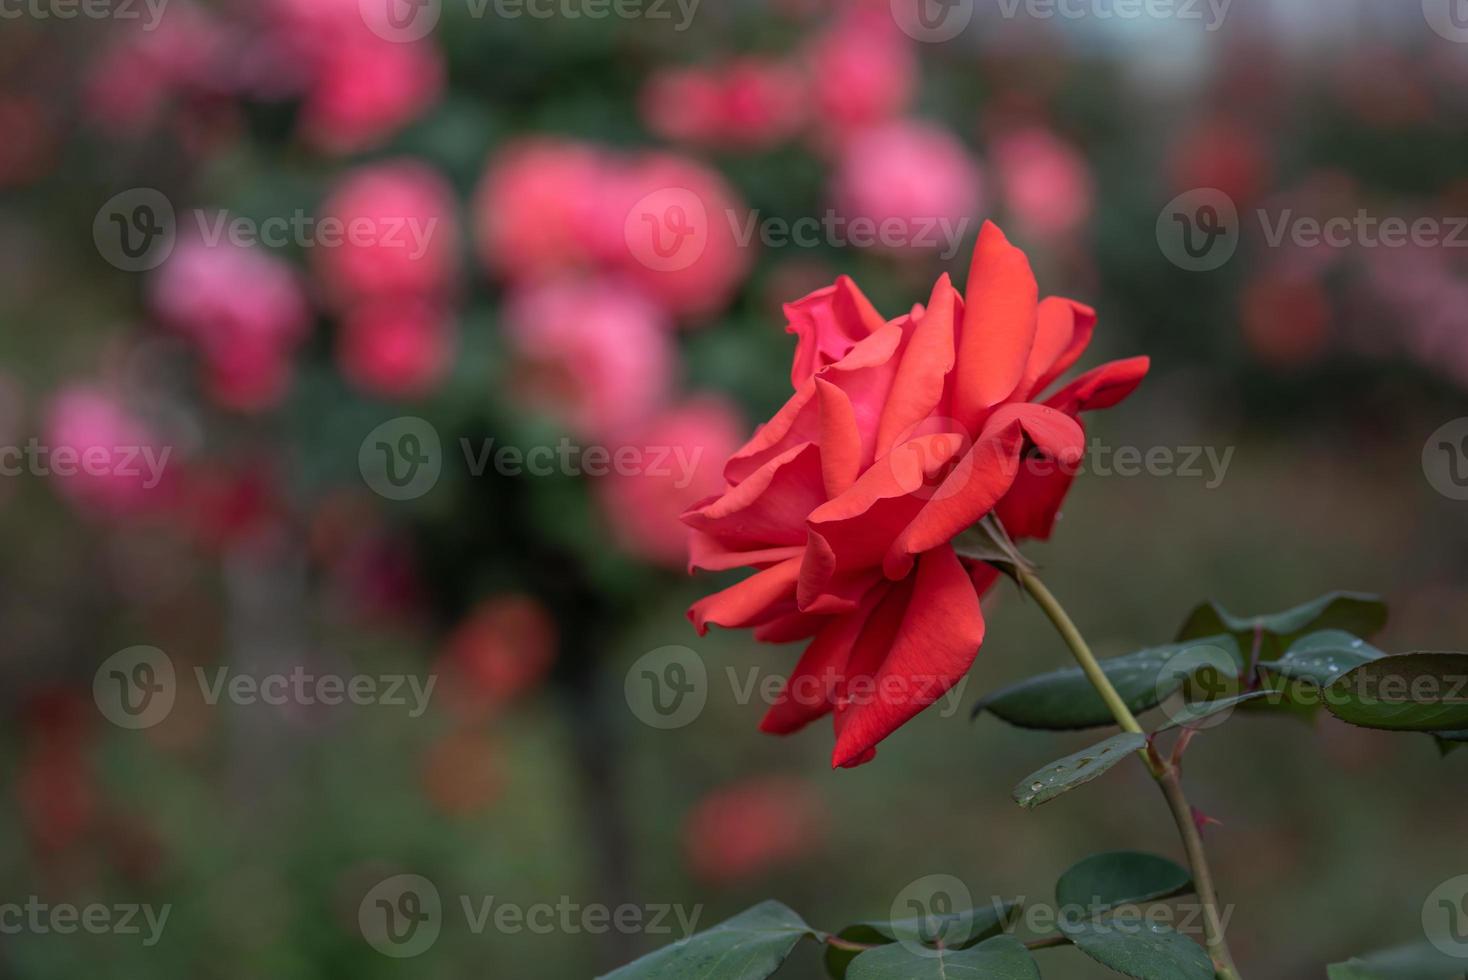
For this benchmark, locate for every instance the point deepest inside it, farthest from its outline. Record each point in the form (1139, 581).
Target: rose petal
(999, 321)
(762, 597)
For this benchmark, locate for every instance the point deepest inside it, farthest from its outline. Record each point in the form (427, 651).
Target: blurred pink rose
(101, 456)
(752, 827)
(751, 103)
(537, 205)
(397, 349)
(245, 310)
(862, 71)
(134, 78)
(681, 453)
(399, 235)
(596, 355)
(674, 226)
(916, 177)
(1045, 183)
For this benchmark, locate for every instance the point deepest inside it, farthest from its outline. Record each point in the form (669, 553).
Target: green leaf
(1354, 612)
(1000, 958)
(1142, 950)
(1064, 700)
(1415, 692)
(1074, 770)
(987, 541)
(973, 925)
(1450, 741)
(1323, 657)
(1192, 715)
(750, 946)
(1420, 961)
(1105, 881)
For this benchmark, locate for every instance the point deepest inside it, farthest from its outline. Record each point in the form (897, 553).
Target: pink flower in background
(117, 465)
(396, 349)
(916, 175)
(752, 827)
(751, 103)
(596, 355)
(400, 235)
(681, 452)
(672, 225)
(246, 312)
(536, 208)
(862, 71)
(1225, 153)
(501, 651)
(1045, 183)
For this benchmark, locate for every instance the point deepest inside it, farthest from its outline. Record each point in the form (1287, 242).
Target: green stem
(1165, 775)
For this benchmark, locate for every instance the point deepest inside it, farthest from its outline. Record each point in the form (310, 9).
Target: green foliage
(1074, 770)
(1420, 961)
(1142, 950)
(750, 946)
(1415, 692)
(1000, 958)
(1353, 612)
(973, 926)
(1106, 881)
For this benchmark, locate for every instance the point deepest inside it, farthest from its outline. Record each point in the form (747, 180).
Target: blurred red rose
(752, 827)
(845, 503)
(1223, 153)
(29, 140)
(751, 103)
(397, 348)
(501, 651)
(399, 235)
(679, 453)
(913, 177)
(595, 355)
(54, 785)
(1286, 319)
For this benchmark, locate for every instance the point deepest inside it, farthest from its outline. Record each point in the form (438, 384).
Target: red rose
(899, 436)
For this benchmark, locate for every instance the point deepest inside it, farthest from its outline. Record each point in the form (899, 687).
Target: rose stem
(1165, 774)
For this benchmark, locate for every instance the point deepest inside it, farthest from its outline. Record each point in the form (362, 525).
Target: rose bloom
(503, 650)
(751, 103)
(398, 235)
(396, 349)
(595, 355)
(107, 474)
(862, 71)
(1045, 182)
(681, 451)
(901, 434)
(752, 827)
(911, 175)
